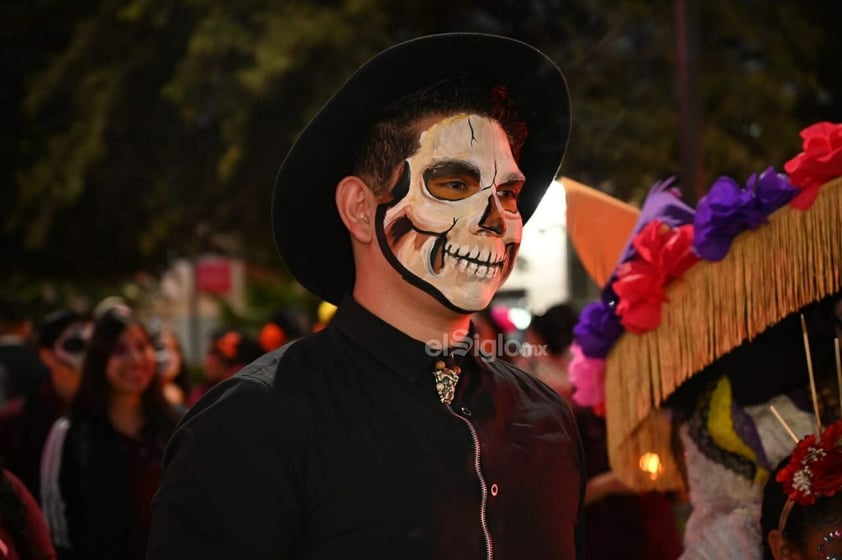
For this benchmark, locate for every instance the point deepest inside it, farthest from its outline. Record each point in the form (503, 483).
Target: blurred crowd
(88, 402)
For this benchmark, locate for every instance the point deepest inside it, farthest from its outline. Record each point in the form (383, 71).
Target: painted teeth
(488, 256)
(481, 263)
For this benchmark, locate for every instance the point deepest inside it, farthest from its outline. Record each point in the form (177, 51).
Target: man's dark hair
(395, 136)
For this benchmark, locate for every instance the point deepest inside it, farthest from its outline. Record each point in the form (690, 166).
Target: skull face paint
(453, 227)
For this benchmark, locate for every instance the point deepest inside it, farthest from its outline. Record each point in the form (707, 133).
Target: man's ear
(356, 204)
(780, 546)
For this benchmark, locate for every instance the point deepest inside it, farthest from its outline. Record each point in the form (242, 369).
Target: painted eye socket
(508, 194)
(452, 188)
(452, 180)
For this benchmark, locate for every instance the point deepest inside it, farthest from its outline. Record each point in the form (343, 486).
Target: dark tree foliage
(144, 130)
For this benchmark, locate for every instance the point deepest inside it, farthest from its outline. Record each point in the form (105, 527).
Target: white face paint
(455, 229)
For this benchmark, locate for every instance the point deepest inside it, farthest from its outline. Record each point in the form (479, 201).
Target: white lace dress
(725, 520)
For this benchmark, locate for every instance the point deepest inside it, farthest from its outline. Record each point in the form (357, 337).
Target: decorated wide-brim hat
(308, 232)
(598, 226)
(693, 285)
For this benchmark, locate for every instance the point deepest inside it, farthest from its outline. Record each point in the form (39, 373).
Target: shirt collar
(390, 346)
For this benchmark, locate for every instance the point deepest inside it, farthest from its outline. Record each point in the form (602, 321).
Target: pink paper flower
(588, 377)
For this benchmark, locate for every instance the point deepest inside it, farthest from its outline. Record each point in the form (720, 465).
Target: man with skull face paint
(454, 228)
(388, 435)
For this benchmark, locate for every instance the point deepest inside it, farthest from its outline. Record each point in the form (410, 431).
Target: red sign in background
(213, 276)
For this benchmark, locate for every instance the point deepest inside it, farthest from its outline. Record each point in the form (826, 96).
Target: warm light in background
(520, 317)
(650, 463)
(541, 268)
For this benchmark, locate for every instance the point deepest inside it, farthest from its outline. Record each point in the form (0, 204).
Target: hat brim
(768, 274)
(309, 234)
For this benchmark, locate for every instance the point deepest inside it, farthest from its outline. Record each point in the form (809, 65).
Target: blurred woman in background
(102, 464)
(175, 377)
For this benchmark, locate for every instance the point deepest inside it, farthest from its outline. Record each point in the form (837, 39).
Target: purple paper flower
(728, 210)
(771, 190)
(723, 213)
(598, 329)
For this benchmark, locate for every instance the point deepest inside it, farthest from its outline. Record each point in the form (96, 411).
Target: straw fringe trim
(769, 273)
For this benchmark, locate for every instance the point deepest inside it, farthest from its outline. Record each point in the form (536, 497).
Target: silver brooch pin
(446, 379)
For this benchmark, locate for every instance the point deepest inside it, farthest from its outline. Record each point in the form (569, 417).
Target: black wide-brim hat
(311, 238)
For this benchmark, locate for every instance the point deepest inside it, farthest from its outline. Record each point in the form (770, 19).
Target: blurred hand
(603, 485)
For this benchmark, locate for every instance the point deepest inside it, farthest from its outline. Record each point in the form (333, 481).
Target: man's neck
(430, 321)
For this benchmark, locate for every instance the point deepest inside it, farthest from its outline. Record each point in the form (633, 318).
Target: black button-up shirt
(339, 447)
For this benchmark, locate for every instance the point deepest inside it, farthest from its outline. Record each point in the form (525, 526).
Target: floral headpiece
(814, 469)
(717, 312)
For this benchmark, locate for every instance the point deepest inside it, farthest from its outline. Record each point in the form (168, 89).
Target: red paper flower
(815, 468)
(820, 162)
(663, 254)
(828, 479)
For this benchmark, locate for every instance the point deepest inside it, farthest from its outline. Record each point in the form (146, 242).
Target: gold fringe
(769, 273)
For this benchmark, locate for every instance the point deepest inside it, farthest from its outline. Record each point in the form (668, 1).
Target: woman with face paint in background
(390, 434)
(26, 420)
(172, 368)
(101, 463)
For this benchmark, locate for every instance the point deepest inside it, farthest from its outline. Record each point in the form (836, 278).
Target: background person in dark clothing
(388, 435)
(547, 350)
(641, 525)
(229, 351)
(26, 420)
(23, 533)
(21, 372)
(101, 465)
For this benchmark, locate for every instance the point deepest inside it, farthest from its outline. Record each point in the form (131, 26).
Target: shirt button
(494, 489)
(466, 411)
